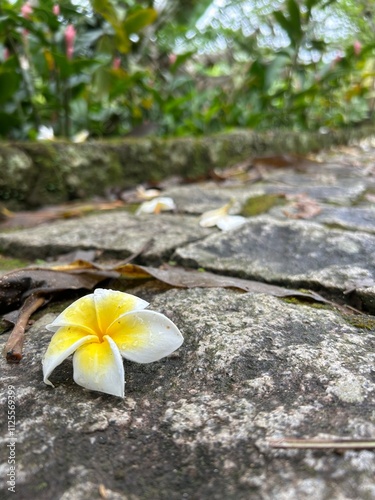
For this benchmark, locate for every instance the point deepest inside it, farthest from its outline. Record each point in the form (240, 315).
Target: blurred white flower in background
(156, 205)
(220, 217)
(80, 136)
(45, 133)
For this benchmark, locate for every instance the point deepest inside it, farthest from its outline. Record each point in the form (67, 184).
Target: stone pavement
(254, 368)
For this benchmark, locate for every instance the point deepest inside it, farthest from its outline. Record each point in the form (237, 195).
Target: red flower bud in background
(357, 46)
(56, 9)
(116, 63)
(70, 34)
(172, 58)
(26, 10)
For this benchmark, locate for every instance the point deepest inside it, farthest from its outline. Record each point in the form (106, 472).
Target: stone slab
(116, 234)
(198, 424)
(294, 253)
(352, 218)
(210, 196)
(346, 194)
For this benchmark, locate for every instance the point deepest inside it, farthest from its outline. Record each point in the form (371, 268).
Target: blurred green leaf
(295, 20)
(139, 20)
(180, 60)
(9, 83)
(107, 10)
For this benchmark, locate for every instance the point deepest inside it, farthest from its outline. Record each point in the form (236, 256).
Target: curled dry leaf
(16, 286)
(191, 278)
(302, 207)
(183, 278)
(30, 289)
(67, 211)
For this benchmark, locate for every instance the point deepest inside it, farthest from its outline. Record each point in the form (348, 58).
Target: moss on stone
(39, 173)
(257, 205)
(362, 199)
(9, 264)
(302, 301)
(363, 321)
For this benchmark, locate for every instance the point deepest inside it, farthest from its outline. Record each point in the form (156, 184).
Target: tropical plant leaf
(295, 18)
(138, 20)
(107, 10)
(9, 82)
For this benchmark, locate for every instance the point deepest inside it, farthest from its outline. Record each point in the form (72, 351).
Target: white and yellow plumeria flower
(157, 205)
(100, 329)
(45, 133)
(80, 136)
(146, 194)
(220, 217)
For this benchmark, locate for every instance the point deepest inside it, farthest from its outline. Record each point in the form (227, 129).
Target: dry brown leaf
(240, 171)
(190, 278)
(255, 168)
(303, 207)
(30, 288)
(49, 214)
(283, 161)
(16, 286)
(184, 278)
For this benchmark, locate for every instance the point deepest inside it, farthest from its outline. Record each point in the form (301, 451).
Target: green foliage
(130, 65)
(42, 83)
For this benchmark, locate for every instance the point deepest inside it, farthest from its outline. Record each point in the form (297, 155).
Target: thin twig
(13, 348)
(339, 444)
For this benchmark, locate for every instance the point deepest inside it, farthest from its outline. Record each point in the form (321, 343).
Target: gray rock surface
(253, 368)
(198, 425)
(293, 253)
(116, 234)
(353, 218)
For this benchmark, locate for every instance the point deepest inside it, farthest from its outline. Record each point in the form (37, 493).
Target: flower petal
(99, 367)
(230, 222)
(63, 343)
(45, 133)
(210, 218)
(81, 313)
(156, 205)
(145, 336)
(80, 136)
(110, 304)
